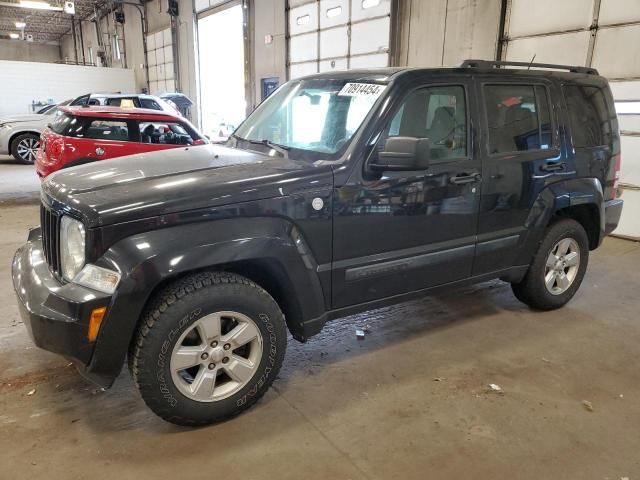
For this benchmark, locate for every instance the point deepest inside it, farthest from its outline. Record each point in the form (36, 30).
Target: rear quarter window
(591, 117)
(62, 123)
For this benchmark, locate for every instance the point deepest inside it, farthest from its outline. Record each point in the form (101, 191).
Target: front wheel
(24, 148)
(208, 347)
(558, 267)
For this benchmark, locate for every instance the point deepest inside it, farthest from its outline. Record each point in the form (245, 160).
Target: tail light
(616, 174)
(55, 149)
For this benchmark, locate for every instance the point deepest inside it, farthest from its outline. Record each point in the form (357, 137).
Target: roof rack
(489, 64)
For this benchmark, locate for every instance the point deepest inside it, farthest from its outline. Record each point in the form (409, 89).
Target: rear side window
(62, 122)
(518, 117)
(107, 130)
(121, 102)
(588, 116)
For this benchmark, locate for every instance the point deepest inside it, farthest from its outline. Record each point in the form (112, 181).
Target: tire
(24, 148)
(165, 342)
(533, 290)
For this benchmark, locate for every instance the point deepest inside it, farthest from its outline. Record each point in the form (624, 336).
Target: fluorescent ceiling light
(14, 36)
(20, 24)
(38, 5)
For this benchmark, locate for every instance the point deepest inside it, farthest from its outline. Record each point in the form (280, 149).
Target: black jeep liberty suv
(341, 193)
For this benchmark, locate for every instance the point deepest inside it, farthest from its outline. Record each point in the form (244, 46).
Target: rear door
(102, 138)
(521, 154)
(406, 231)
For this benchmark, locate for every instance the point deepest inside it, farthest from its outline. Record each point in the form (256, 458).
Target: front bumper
(55, 313)
(612, 212)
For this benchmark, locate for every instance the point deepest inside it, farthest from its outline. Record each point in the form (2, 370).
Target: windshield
(316, 117)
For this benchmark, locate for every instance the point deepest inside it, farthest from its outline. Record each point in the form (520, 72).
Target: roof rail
(488, 64)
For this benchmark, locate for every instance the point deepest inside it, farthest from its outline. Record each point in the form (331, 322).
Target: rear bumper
(56, 314)
(612, 212)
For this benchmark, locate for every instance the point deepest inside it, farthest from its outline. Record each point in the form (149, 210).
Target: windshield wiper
(282, 149)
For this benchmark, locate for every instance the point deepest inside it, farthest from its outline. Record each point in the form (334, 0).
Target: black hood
(171, 181)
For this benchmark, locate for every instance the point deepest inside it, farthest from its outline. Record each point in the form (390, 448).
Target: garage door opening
(222, 70)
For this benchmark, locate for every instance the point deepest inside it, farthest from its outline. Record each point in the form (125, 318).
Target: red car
(86, 134)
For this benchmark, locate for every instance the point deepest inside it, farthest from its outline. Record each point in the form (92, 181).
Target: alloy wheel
(562, 266)
(27, 149)
(216, 356)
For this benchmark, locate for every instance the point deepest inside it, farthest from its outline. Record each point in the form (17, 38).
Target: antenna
(531, 62)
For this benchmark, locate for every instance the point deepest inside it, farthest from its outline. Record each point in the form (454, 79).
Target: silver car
(20, 134)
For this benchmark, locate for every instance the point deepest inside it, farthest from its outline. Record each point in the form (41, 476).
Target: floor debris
(31, 392)
(359, 334)
(496, 388)
(587, 405)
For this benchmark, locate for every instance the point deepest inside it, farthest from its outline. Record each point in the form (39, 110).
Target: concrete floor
(409, 401)
(18, 183)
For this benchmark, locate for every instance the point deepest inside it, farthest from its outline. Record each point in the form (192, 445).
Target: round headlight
(72, 245)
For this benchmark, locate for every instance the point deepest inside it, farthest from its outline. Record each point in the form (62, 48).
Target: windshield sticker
(361, 90)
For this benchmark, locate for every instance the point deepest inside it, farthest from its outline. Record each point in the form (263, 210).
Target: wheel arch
(22, 132)
(267, 255)
(581, 199)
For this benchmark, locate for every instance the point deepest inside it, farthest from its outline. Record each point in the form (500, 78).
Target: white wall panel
(626, 90)
(303, 47)
(370, 36)
(617, 52)
(629, 225)
(295, 3)
(378, 8)
(303, 19)
(370, 61)
(334, 42)
(302, 69)
(333, 12)
(567, 49)
(337, 64)
(544, 16)
(630, 153)
(62, 82)
(619, 11)
(629, 123)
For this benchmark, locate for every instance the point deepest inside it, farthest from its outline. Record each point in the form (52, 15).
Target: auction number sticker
(361, 90)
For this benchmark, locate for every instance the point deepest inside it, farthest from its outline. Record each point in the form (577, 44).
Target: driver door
(402, 231)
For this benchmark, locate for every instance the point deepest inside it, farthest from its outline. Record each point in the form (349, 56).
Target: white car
(20, 134)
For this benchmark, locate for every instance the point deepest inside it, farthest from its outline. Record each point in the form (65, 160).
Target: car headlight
(72, 246)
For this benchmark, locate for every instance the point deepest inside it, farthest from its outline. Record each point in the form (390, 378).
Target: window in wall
(518, 117)
(588, 116)
(436, 113)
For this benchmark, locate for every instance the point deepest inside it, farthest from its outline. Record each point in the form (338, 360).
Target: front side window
(149, 103)
(437, 113)
(312, 118)
(165, 133)
(518, 118)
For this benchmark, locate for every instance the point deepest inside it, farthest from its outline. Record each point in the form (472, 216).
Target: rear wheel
(208, 347)
(24, 147)
(558, 267)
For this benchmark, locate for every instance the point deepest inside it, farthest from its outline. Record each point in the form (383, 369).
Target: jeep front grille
(50, 223)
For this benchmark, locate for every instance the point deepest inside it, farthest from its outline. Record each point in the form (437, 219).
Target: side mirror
(403, 154)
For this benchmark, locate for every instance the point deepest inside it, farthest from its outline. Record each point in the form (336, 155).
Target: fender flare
(148, 260)
(555, 197)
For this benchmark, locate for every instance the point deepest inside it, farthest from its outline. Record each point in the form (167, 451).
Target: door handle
(463, 178)
(553, 166)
